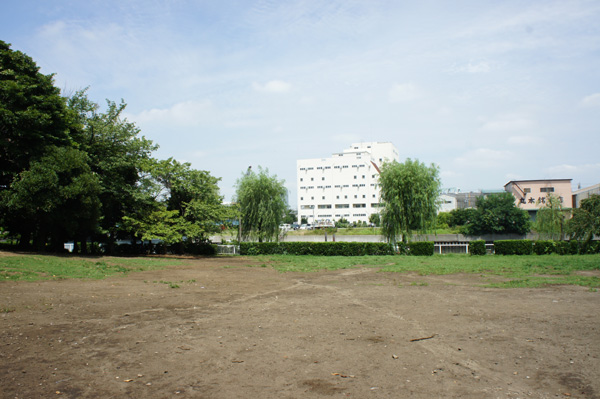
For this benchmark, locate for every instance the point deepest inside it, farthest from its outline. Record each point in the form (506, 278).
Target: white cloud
(593, 100)
(273, 86)
(403, 92)
(524, 140)
(188, 113)
(472, 67)
(508, 123)
(484, 158)
(571, 170)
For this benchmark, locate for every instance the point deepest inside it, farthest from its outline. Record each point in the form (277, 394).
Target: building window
(301, 179)
(547, 189)
(345, 197)
(301, 198)
(355, 196)
(312, 179)
(355, 177)
(322, 178)
(364, 196)
(359, 205)
(337, 197)
(323, 197)
(527, 190)
(312, 198)
(340, 206)
(324, 206)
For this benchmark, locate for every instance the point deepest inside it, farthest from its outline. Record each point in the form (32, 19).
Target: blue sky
(489, 91)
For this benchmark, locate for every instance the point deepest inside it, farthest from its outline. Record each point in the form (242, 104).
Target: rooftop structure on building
(344, 185)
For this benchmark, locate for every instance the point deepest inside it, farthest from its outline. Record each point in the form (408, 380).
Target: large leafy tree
(263, 201)
(551, 219)
(55, 199)
(33, 115)
(586, 219)
(410, 193)
(117, 154)
(497, 214)
(178, 204)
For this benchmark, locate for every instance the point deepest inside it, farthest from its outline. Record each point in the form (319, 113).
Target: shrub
(316, 248)
(513, 247)
(477, 247)
(567, 247)
(543, 247)
(421, 248)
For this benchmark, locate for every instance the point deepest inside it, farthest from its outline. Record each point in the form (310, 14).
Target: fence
(457, 248)
(228, 249)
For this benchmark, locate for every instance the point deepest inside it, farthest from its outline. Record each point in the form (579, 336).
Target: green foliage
(586, 220)
(57, 197)
(375, 219)
(342, 223)
(421, 248)
(513, 247)
(461, 217)
(263, 201)
(477, 247)
(543, 247)
(409, 192)
(316, 248)
(33, 115)
(567, 247)
(551, 219)
(498, 214)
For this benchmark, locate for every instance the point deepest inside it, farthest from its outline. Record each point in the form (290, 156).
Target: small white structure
(344, 185)
(447, 203)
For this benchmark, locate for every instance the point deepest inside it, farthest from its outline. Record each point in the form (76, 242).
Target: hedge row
(316, 248)
(419, 248)
(541, 247)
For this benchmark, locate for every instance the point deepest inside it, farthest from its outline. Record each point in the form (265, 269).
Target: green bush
(513, 247)
(421, 248)
(567, 247)
(477, 247)
(316, 248)
(543, 247)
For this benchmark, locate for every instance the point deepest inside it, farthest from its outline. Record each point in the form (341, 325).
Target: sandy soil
(231, 331)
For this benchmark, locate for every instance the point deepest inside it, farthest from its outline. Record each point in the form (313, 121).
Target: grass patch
(523, 271)
(50, 267)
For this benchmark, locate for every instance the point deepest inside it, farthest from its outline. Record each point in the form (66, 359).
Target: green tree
(54, 200)
(375, 219)
(586, 220)
(33, 115)
(551, 219)
(117, 156)
(178, 204)
(290, 216)
(410, 193)
(498, 214)
(263, 201)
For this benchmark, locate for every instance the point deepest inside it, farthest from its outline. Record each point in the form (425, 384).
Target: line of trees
(69, 171)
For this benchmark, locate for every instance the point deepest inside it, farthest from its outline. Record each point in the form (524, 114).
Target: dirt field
(231, 331)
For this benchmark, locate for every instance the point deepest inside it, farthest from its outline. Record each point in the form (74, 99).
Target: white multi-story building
(343, 186)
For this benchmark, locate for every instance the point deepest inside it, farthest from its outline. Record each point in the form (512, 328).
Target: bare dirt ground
(231, 331)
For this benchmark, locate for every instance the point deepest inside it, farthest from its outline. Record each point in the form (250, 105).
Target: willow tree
(551, 219)
(409, 192)
(263, 203)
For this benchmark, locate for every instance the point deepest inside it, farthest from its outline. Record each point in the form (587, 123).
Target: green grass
(48, 267)
(520, 271)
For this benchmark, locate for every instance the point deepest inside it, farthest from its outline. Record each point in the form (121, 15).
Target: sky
(489, 91)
